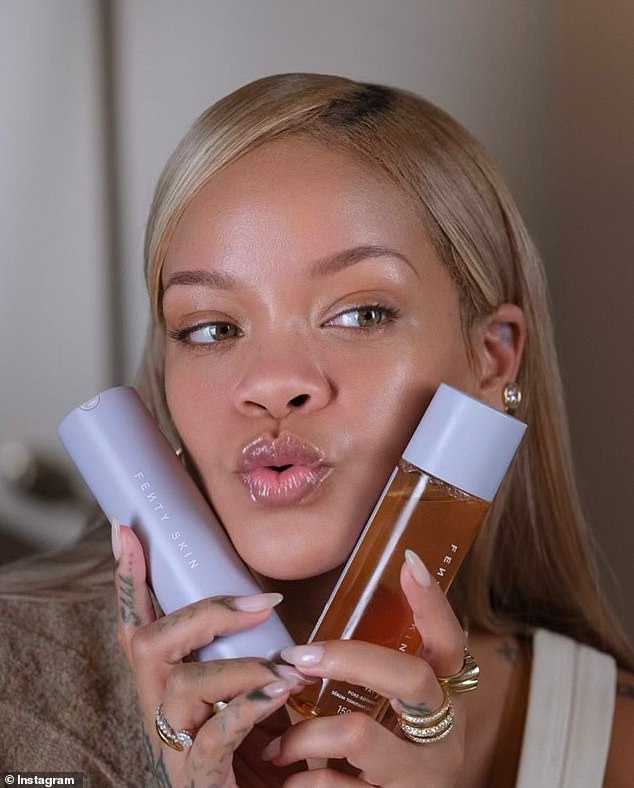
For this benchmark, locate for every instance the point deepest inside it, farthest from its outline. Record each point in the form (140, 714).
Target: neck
(303, 600)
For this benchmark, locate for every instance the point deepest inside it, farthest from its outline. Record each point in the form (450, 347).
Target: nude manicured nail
(303, 655)
(115, 538)
(256, 602)
(293, 675)
(418, 569)
(276, 688)
(272, 749)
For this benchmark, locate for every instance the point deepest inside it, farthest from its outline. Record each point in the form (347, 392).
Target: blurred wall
(542, 84)
(55, 338)
(594, 275)
(54, 331)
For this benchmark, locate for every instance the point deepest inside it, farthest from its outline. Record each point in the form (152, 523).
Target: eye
(366, 316)
(205, 333)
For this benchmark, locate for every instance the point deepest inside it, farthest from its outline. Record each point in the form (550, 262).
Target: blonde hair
(533, 563)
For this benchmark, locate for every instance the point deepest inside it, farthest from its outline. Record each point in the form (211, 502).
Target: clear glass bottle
(433, 503)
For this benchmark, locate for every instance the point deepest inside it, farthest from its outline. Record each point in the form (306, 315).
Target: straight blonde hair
(533, 563)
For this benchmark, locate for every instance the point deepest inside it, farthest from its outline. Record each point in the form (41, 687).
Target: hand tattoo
(157, 767)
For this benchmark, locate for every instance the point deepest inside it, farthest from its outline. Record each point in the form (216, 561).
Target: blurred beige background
(96, 93)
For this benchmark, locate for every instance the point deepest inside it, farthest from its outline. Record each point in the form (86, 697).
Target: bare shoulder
(621, 755)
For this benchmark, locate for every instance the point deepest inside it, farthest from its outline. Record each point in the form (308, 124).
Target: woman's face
(309, 323)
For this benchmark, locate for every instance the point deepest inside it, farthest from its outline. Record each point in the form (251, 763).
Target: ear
(498, 346)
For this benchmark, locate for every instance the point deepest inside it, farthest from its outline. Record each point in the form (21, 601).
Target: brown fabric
(66, 693)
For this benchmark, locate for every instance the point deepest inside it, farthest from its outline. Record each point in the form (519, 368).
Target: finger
(172, 637)
(381, 757)
(364, 743)
(323, 778)
(442, 634)
(223, 733)
(388, 672)
(157, 648)
(192, 688)
(133, 595)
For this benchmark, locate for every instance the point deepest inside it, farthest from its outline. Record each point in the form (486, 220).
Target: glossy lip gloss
(282, 470)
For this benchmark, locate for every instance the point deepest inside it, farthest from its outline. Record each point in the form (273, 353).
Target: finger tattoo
(415, 709)
(127, 607)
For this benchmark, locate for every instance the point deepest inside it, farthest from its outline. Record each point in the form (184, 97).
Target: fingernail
(256, 602)
(303, 655)
(293, 675)
(418, 569)
(272, 749)
(276, 688)
(115, 538)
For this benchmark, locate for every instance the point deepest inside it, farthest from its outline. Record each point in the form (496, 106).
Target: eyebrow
(324, 266)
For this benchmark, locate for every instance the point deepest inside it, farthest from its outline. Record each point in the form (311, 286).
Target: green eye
(369, 316)
(366, 316)
(212, 332)
(205, 334)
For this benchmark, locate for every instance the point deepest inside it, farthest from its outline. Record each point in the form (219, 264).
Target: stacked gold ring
(428, 728)
(465, 680)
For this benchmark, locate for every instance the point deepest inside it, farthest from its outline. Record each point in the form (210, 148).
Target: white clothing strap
(569, 716)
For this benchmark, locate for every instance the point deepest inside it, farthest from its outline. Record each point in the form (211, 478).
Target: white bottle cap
(464, 442)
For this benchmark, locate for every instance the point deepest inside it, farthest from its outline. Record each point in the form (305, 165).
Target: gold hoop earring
(511, 397)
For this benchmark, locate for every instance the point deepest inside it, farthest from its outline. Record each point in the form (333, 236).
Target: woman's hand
(155, 649)
(384, 757)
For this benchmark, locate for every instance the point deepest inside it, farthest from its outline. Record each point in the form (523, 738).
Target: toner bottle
(433, 503)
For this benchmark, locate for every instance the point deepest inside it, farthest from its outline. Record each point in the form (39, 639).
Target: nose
(280, 384)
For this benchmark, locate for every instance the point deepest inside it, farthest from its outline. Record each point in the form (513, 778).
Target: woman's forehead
(298, 196)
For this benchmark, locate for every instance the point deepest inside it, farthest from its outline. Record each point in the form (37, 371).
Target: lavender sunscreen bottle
(136, 477)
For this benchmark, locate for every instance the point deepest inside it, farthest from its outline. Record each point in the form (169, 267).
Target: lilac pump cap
(464, 442)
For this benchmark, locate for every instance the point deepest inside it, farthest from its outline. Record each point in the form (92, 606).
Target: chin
(295, 542)
(295, 563)
(293, 572)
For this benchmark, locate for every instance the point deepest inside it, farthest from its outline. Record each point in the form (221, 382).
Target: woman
(320, 255)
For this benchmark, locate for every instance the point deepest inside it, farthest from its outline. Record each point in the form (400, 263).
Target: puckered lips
(283, 470)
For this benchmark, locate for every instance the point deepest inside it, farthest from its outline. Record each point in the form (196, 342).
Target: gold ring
(218, 706)
(465, 680)
(428, 728)
(433, 717)
(177, 740)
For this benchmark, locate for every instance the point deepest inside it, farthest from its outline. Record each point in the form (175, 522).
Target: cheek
(197, 400)
(383, 408)
(388, 392)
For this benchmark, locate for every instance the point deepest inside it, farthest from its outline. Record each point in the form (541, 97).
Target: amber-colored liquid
(418, 512)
